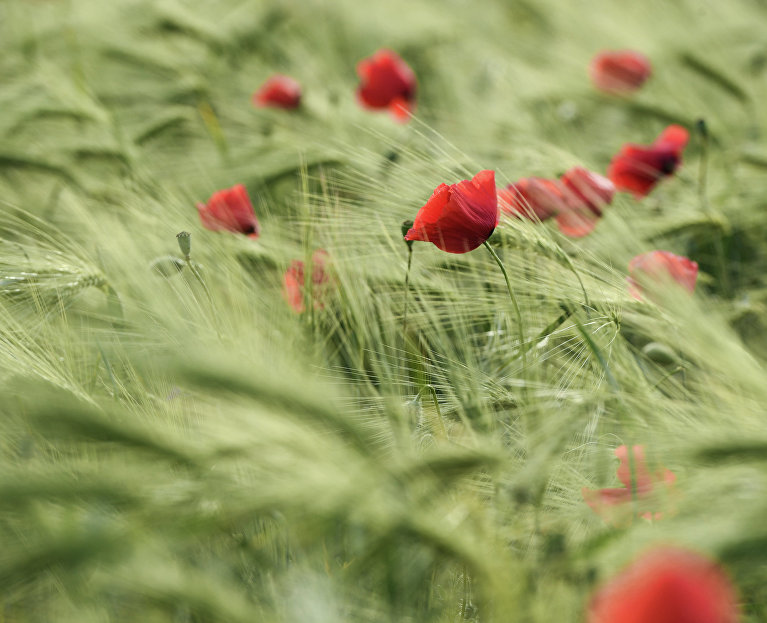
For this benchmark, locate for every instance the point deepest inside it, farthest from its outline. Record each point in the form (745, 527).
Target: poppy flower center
(668, 164)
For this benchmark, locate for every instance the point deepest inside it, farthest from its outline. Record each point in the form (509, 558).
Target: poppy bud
(184, 239)
(660, 354)
(167, 265)
(701, 127)
(406, 225)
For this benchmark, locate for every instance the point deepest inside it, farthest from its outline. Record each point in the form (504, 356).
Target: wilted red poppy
(230, 210)
(619, 72)
(616, 505)
(531, 197)
(458, 217)
(386, 81)
(585, 195)
(278, 92)
(656, 266)
(293, 282)
(637, 168)
(667, 585)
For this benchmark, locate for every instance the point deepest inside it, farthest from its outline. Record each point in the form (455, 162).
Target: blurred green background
(188, 449)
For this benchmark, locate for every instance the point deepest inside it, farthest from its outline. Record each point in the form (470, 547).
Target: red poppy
(653, 267)
(230, 210)
(387, 82)
(619, 72)
(637, 168)
(458, 217)
(667, 585)
(585, 195)
(616, 505)
(576, 199)
(293, 282)
(531, 197)
(278, 92)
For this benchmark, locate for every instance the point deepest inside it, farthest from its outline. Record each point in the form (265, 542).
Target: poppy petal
(387, 82)
(230, 210)
(459, 217)
(619, 72)
(278, 92)
(666, 585)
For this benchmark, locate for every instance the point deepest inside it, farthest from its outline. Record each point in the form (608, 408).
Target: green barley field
(179, 444)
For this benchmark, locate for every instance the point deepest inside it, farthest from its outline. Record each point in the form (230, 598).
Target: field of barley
(399, 311)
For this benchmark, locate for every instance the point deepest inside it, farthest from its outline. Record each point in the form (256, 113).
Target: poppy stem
(407, 288)
(433, 392)
(704, 204)
(514, 304)
(571, 266)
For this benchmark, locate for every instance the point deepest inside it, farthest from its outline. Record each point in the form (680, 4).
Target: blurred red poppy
(654, 267)
(230, 210)
(637, 168)
(619, 72)
(618, 505)
(585, 195)
(531, 197)
(387, 82)
(667, 585)
(576, 200)
(293, 282)
(458, 217)
(278, 92)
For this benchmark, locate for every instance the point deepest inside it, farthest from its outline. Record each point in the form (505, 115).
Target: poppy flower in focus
(654, 267)
(278, 92)
(458, 217)
(619, 72)
(585, 195)
(294, 280)
(637, 168)
(387, 82)
(230, 210)
(616, 505)
(667, 585)
(531, 197)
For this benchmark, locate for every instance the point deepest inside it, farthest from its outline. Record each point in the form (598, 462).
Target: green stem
(705, 206)
(586, 301)
(595, 350)
(433, 392)
(514, 304)
(407, 290)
